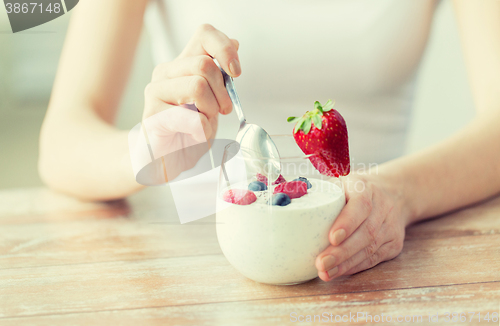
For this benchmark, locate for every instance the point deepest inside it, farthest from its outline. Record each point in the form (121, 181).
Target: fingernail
(328, 262)
(333, 271)
(339, 236)
(234, 67)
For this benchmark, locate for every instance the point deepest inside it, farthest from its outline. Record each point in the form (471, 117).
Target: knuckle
(371, 249)
(393, 232)
(398, 247)
(374, 259)
(227, 105)
(205, 28)
(157, 72)
(148, 90)
(228, 48)
(361, 179)
(366, 202)
(199, 86)
(384, 207)
(206, 65)
(371, 231)
(236, 43)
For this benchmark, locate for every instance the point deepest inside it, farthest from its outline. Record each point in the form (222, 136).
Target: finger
(210, 41)
(357, 209)
(201, 65)
(368, 238)
(360, 256)
(183, 90)
(365, 264)
(386, 252)
(236, 43)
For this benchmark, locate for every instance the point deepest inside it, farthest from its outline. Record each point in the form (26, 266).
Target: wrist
(397, 184)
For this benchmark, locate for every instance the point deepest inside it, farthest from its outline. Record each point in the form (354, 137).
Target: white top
(361, 53)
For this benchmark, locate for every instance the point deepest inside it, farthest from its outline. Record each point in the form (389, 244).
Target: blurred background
(28, 63)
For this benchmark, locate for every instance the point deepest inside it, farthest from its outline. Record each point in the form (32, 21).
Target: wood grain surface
(66, 262)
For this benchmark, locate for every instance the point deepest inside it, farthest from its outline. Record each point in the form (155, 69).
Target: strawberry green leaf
(328, 106)
(307, 125)
(317, 121)
(292, 119)
(298, 125)
(317, 106)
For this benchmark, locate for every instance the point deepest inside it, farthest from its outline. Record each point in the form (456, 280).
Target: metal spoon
(255, 141)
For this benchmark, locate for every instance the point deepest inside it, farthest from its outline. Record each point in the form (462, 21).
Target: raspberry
(261, 178)
(309, 185)
(294, 189)
(239, 196)
(280, 180)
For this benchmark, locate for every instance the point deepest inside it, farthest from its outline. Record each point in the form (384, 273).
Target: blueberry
(281, 199)
(257, 186)
(309, 185)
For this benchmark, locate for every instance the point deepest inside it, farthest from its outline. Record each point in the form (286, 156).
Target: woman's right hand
(192, 78)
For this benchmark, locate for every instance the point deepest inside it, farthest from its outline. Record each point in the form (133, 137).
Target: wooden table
(65, 262)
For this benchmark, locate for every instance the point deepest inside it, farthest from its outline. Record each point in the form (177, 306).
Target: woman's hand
(369, 230)
(192, 78)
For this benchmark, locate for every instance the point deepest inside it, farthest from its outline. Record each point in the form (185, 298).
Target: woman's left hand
(370, 229)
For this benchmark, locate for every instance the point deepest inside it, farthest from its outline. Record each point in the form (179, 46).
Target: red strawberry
(323, 133)
(294, 189)
(239, 196)
(261, 178)
(280, 179)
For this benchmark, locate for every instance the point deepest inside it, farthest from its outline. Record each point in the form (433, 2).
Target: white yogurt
(279, 244)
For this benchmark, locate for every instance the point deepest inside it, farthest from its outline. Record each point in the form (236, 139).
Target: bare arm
(465, 168)
(459, 171)
(79, 146)
(81, 152)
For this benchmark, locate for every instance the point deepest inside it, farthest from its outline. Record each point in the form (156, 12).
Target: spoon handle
(231, 90)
